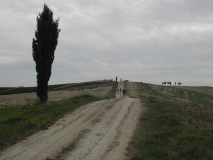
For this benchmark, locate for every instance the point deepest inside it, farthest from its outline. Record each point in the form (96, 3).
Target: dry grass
(206, 90)
(177, 124)
(22, 98)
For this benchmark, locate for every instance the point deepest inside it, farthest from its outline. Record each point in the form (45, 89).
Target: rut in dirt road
(100, 130)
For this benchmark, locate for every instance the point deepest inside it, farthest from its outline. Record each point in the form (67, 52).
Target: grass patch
(170, 130)
(18, 122)
(112, 92)
(163, 134)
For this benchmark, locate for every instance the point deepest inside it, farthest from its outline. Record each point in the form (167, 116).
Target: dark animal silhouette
(169, 83)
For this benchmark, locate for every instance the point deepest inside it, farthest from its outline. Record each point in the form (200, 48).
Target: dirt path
(100, 130)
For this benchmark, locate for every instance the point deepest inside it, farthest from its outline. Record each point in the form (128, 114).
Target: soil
(99, 130)
(22, 98)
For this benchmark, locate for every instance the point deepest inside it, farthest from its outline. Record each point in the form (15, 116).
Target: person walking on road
(124, 92)
(118, 89)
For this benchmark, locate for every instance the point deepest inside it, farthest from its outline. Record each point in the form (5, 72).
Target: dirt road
(100, 130)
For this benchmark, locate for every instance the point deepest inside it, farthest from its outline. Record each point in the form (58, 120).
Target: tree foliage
(44, 45)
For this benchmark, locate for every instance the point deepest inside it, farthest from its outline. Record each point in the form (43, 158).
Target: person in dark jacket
(124, 92)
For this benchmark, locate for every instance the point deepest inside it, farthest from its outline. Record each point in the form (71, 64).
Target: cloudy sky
(140, 40)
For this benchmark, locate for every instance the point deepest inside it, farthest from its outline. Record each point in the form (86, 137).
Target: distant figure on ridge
(124, 92)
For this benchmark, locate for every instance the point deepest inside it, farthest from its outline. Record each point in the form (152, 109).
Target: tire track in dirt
(102, 132)
(126, 128)
(109, 138)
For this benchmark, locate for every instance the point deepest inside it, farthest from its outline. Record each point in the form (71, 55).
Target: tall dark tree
(44, 45)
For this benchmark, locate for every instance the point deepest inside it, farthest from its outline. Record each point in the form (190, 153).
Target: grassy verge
(169, 130)
(112, 92)
(18, 122)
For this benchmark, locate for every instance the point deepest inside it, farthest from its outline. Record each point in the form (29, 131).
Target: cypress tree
(44, 45)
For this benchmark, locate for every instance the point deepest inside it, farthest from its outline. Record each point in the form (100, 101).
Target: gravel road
(99, 130)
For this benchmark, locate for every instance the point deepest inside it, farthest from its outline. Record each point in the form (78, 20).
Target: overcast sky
(140, 40)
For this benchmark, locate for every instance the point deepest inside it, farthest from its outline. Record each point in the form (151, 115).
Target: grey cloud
(138, 40)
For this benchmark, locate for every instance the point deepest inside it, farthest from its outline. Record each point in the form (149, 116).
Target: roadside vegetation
(20, 121)
(112, 92)
(177, 125)
(71, 86)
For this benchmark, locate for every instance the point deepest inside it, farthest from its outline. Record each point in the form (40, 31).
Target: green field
(17, 90)
(177, 125)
